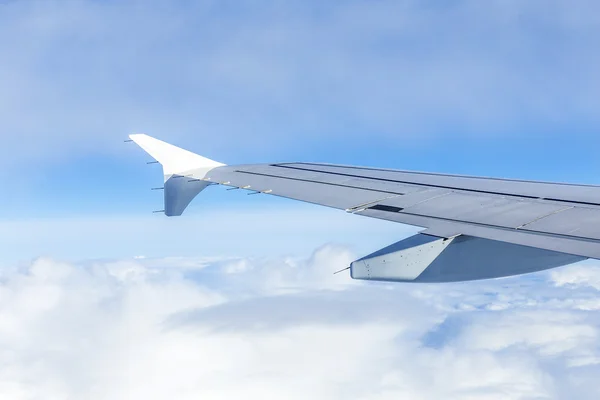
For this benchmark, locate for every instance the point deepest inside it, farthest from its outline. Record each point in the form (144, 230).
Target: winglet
(175, 160)
(177, 163)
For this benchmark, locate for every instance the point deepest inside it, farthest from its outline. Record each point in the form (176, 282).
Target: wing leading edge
(476, 228)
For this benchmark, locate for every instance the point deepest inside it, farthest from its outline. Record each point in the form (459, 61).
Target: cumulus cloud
(286, 328)
(577, 276)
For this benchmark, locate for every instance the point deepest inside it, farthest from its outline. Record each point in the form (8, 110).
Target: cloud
(254, 81)
(577, 276)
(286, 328)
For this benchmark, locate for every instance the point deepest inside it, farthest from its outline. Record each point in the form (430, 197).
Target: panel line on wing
(321, 182)
(431, 185)
(289, 165)
(545, 216)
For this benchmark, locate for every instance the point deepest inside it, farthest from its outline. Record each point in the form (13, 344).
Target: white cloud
(78, 76)
(287, 328)
(577, 275)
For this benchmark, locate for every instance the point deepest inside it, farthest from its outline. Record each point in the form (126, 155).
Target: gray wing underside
(558, 217)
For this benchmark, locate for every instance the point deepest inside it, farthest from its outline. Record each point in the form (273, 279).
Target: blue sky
(500, 88)
(506, 89)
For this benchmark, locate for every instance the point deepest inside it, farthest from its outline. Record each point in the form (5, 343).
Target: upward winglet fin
(175, 160)
(177, 163)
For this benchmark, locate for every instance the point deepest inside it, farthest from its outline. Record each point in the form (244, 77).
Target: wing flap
(445, 229)
(576, 221)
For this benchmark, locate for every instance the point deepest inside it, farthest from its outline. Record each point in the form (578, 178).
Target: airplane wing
(475, 228)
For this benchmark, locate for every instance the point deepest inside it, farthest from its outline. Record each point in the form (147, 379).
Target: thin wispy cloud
(284, 74)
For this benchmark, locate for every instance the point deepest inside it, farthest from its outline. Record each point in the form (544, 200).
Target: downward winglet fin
(177, 163)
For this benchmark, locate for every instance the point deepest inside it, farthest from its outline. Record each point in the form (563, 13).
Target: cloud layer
(286, 328)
